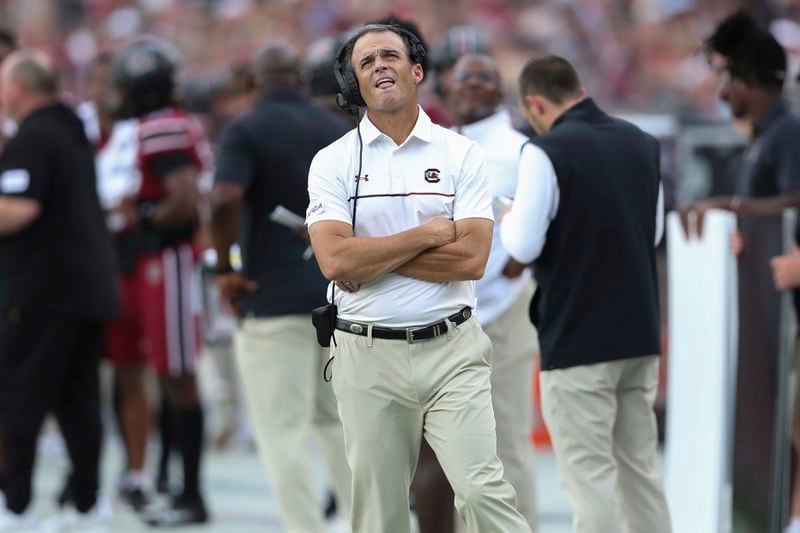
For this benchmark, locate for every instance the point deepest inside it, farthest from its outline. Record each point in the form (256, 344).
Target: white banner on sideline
(701, 368)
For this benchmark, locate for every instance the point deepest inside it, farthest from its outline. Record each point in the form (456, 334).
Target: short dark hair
(752, 54)
(550, 76)
(379, 28)
(411, 27)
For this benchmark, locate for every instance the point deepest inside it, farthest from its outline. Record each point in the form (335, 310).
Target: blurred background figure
(97, 110)
(8, 44)
(598, 319)
(115, 145)
(458, 41)
(260, 185)
(218, 96)
(56, 289)
(160, 322)
(318, 71)
(504, 293)
(753, 68)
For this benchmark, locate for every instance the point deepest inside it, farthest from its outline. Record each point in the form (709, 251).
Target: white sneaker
(95, 520)
(414, 522)
(794, 525)
(337, 524)
(9, 521)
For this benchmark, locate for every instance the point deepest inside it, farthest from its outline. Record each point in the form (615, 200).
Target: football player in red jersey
(160, 321)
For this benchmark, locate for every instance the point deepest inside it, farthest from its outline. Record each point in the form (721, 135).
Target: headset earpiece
(349, 97)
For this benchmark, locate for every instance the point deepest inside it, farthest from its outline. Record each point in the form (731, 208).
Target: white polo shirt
(502, 144)
(434, 173)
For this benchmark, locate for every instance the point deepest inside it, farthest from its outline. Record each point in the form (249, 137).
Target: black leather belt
(410, 334)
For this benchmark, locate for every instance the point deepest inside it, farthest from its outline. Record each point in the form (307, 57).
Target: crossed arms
(439, 250)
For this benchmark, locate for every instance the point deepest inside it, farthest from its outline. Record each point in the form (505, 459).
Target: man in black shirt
(56, 285)
(753, 68)
(753, 65)
(262, 170)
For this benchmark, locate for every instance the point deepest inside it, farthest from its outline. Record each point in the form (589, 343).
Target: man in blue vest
(588, 213)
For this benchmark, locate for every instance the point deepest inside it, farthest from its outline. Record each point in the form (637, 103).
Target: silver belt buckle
(410, 335)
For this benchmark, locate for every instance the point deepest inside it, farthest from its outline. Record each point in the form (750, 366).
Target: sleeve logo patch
(14, 181)
(315, 209)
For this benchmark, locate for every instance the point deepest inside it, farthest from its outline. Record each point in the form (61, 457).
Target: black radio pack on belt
(324, 321)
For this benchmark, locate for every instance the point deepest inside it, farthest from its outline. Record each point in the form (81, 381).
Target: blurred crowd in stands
(636, 56)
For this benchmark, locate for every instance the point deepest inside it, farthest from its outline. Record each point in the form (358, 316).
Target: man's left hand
(233, 286)
(786, 270)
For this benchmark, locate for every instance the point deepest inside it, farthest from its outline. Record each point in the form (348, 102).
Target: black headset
(349, 97)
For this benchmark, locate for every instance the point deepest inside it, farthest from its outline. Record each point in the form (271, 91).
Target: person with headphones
(400, 220)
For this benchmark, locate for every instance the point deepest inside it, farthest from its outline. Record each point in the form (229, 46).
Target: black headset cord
(325, 375)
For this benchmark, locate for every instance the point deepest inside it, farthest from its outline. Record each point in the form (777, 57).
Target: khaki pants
(281, 366)
(604, 435)
(515, 345)
(392, 393)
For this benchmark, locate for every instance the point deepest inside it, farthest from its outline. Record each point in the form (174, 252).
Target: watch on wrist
(736, 203)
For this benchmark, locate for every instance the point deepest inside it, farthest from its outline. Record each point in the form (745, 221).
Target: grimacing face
(386, 76)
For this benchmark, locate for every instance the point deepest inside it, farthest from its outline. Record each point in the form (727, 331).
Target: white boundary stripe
(171, 313)
(187, 309)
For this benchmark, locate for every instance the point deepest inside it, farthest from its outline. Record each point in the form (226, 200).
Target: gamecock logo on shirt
(432, 175)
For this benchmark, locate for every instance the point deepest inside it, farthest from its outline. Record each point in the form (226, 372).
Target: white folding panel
(701, 362)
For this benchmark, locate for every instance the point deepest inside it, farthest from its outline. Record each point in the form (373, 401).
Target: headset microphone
(349, 108)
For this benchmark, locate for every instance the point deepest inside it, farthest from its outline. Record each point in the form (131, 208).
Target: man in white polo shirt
(505, 291)
(410, 359)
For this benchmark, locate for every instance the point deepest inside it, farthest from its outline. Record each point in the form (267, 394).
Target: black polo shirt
(62, 264)
(268, 152)
(771, 164)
